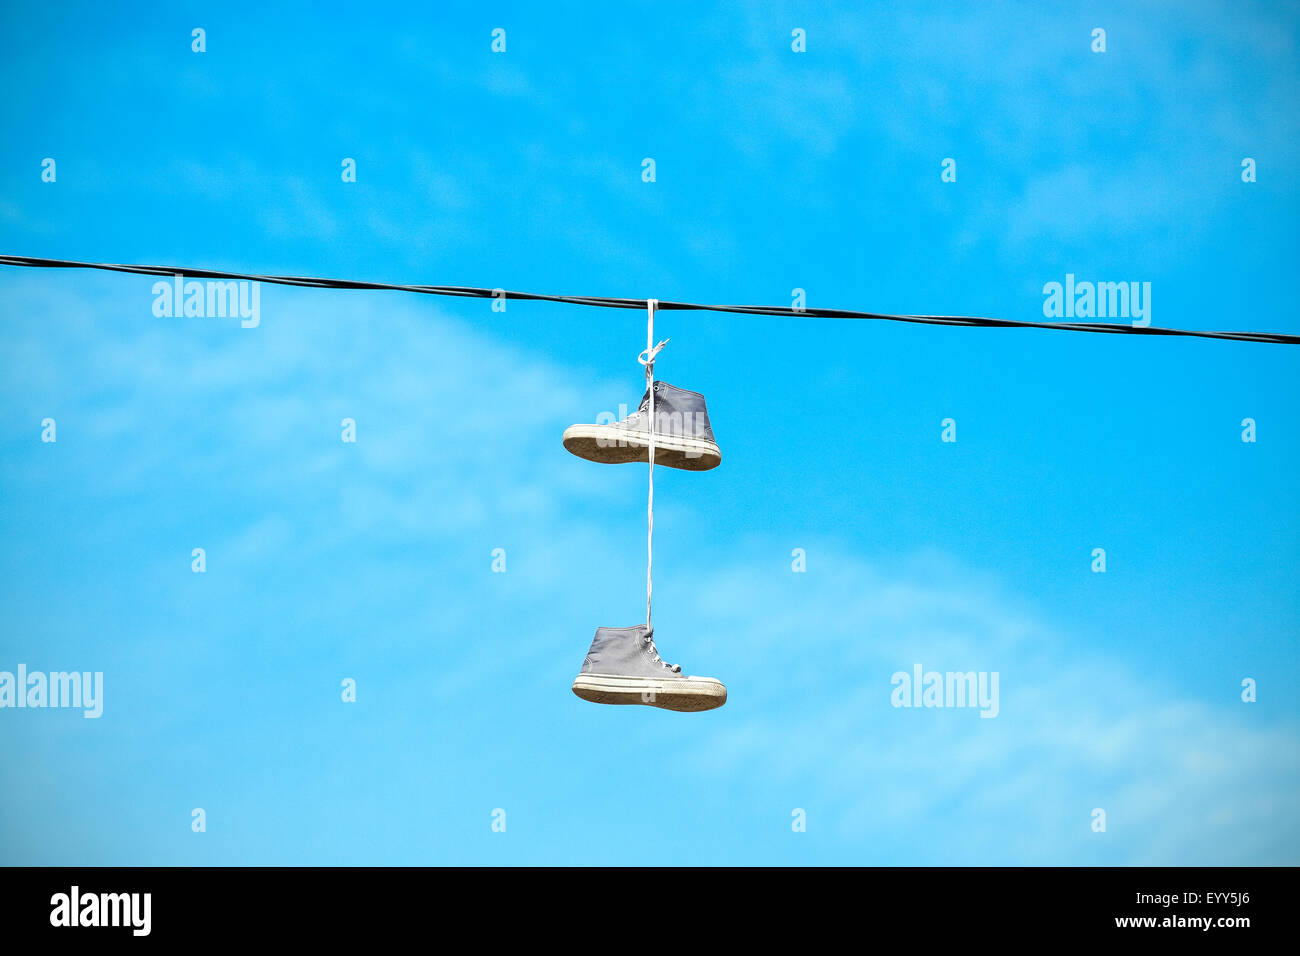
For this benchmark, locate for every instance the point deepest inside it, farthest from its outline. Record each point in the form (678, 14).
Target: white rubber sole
(689, 694)
(609, 445)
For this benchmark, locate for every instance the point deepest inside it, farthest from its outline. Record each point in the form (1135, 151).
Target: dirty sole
(617, 446)
(679, 693)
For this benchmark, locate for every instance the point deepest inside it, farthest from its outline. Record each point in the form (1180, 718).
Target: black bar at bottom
(90, 905)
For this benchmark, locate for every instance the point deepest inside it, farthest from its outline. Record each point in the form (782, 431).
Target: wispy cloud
(811, 656)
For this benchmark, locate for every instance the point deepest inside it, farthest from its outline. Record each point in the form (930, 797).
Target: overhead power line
(609, 302)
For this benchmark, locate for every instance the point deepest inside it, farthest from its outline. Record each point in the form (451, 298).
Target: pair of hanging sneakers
(623, 665)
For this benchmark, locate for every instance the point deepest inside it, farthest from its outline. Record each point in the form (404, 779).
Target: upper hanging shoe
(623, 667)
(683, 435)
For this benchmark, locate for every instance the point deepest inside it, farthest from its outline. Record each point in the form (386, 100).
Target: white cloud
(810, 656)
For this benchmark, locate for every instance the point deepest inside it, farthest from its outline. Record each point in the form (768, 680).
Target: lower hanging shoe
(683, 435)
(623, 667)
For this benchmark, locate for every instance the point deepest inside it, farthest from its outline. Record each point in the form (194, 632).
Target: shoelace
(647, 358)
(659, 660)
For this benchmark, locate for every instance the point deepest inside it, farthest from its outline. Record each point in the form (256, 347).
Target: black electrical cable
(609, 302)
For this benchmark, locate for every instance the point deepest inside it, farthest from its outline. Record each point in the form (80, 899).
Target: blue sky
(775, 170)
